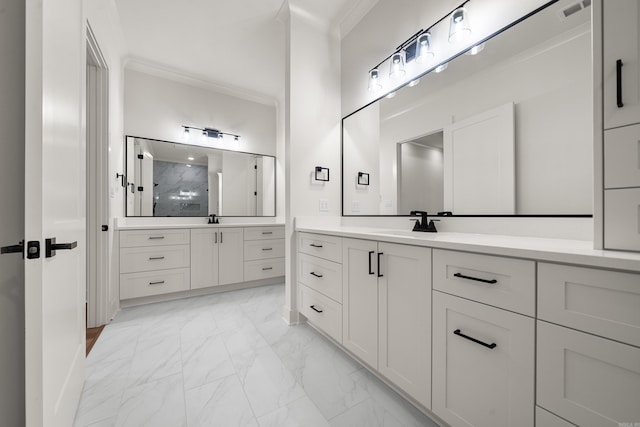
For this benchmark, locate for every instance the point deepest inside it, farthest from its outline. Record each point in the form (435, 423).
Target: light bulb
(185, 134)
(414, 82)
(391, 95)
(476, 49)
(440, 68)
(396, 69)
(459, 28)
(374, 81)
(423, 48)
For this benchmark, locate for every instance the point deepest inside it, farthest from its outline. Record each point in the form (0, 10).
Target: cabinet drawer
(545, 418)
(165, 237)
(474, 385)
(154, 258)
(260, 233)
(587, 380)
(621, 219)
(602, 302)
(263, 269)
(503, 282)
(320, 245)
(323, 312)
(321, 275)
(135, 285)
(263, 249)
(622, 157)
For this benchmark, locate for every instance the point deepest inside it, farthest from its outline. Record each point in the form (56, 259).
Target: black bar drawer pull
(313, 245)
(313, 273)
(267, 249)
(619, 83)
(460, 334)
(371, 253)
(156, 237)
(155, 258)
(379, 253)
(462, 276)
(267, 232)
(313, 307)
(161, 282)
(267, 268)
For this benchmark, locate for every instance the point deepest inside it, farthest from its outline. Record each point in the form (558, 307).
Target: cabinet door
(360, 299)
(231, 256)
(405, 318)
(473, 384)
(585, 379)
(204, 258)
(621, 42)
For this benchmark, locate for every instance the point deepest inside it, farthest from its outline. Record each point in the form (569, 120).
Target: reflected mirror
(171, 179)
(507, 131)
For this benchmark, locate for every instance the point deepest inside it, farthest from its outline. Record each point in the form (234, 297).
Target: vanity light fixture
(423, 48)
(374, 81)
(459, 28)
(418, 48)
(396, 69)
(209, 133)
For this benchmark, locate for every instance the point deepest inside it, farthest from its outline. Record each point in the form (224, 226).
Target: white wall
(311, 129)
(157, 107)
(420, 178)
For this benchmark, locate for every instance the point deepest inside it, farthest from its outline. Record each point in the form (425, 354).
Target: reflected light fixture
(374, 80)
(440, 68)
(423, 48)
(391, 95)
(207, 133)
(459, 28)
(476, 49)
(396, 69)
(414, 82)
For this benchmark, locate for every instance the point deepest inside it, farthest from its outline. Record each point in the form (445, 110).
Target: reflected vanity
(179, 180)
(503, 132)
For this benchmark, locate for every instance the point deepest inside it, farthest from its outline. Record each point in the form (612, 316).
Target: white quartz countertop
(542, 249)
(173, 226)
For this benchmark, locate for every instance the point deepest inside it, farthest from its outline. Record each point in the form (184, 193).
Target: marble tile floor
(229, 360)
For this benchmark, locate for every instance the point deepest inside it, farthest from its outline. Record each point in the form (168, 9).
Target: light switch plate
(324, 205)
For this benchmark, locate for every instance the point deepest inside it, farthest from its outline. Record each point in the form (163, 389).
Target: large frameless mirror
(170, 179)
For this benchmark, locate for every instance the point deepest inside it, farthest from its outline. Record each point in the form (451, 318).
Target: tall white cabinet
(621, 115)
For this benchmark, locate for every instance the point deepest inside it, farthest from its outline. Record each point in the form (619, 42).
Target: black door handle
(460, 334)
(51, 247)
(619, 83)
(370, 253)
(379, 253)
(13, 248)
(462, 276)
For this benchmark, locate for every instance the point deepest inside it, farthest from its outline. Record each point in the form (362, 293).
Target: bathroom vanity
(481, 329)
(177, 261)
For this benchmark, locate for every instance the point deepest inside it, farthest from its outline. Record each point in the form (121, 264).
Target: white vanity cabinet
(263, 252)
(588, 345)
(621, 42)
(217, 257)
(483, 339)
(153, 262)
(388, 285)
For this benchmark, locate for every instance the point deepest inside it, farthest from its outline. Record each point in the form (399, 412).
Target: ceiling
(238, 45)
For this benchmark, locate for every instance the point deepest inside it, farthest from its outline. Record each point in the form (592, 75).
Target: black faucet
(423, 224)
(213, 219)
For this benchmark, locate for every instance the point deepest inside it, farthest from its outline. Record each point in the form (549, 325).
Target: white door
(405, 318)
(54, 208)
(479, 163)
(360, 299)
(621, 71)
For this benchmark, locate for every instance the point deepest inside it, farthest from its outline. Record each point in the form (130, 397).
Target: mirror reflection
(171, 179)
(503, 132)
